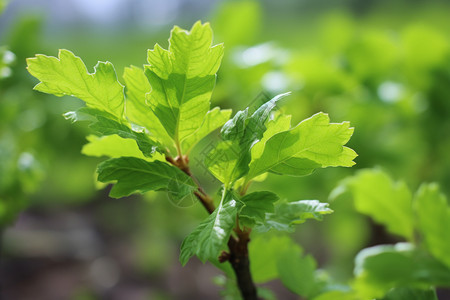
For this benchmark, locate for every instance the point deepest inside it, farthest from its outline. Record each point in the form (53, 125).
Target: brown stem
(238, 256)
(181, 162)
(238, 259)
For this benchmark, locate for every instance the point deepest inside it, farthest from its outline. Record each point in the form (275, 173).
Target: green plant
(166, 111)
(413, 268)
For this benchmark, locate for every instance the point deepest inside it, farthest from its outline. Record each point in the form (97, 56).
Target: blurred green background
(382, 65)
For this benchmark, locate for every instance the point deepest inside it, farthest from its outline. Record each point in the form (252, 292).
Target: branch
(238, 256)
(181, 162)
(238, 259)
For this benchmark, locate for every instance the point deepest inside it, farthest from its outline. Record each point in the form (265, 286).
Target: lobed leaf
(277, 125)
(256, 205)
(115, 146)
(240, 134)
(134, 175)
(314, 143)
(182, 79)
(106, 126)
(213, 120)
(137, 111)
(222, 161)
(287, 214)
(67, 75)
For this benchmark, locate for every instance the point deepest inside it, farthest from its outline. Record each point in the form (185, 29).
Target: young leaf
(106, 126)
(222, 160)
(138, 112)
(114, 146)
(277, 125)
(212, 234)
(314, 143)
(67, 75)
(182, 79)
(433, 213)
(287, 214)
(256, 205)
(134, 175)
(387, 202)
(240, 134)
(213, 120)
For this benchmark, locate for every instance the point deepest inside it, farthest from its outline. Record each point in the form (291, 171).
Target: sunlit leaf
(137, 111)
(222, 160)
(277, 125)
(182, 79)
(314, 143)
(106, 126)
(213, 120)
(114, 146)
(67, 75)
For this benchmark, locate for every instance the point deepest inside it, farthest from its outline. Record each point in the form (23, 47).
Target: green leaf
(211, 235)
(288, 214)
(314, 143)
(213, 120)
(67, 75)
(134, 175)
(277, 125)
(248, 131)
(433, 217)
(138, 112)
(387, 202)
(222, 160)
(234, 129)
(297, 272)
(240, 134)
(114, 146)
(106, 126)
(410, 294)
(256, 205)
(381, 268)
(182, 79)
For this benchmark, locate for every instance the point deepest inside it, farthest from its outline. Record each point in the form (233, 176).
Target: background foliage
(382, 65)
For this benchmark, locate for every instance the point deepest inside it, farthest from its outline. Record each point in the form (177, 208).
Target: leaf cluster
(149, 125)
